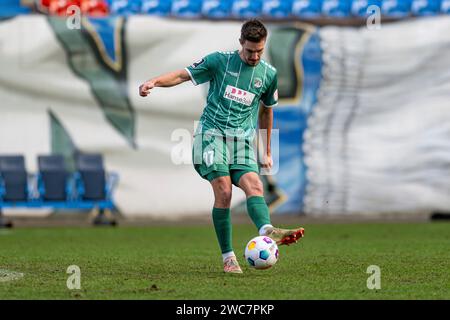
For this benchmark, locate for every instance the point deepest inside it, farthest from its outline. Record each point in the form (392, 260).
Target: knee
(222, 191)
(253, 187)
(257, 189)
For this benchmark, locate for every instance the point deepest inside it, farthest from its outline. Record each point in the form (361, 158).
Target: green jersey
(235, 91)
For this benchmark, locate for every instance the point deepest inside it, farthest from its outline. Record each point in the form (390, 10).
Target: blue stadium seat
(156, 7)
(95, 185)
(359, 7)
(245, 9)
(92, 175)
(217, 9)
(445, 6)
(53, 178)
(11, 8)
(277, 9)
(396, 8)
(10, 3)
(125, 7)
(307, 8)
(425, 7)
(13, 179)
(186, 8)
(90, 187)
(336, 8)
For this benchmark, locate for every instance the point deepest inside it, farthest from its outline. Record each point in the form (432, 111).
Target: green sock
(258, 211)
(222, 225)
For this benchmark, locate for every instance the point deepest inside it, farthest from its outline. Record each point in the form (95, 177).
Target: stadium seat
(216, 9)
(336, 9)
(11, 3)
(124, 7)
(53, 178)
(94, 184)
(156, 7)
(445, 6)
(244, 9)
(60, 7)
(11, 8)
(90, 187)
(42, 5)
(94, 8)
(13, 179)
(277, 9)
(92, 175)
(186, 8)
(396, 8)
(306, 8)
(359, 7)
(425, 7)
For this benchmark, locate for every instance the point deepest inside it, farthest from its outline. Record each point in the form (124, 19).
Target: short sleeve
(270, 97)
(203, 70)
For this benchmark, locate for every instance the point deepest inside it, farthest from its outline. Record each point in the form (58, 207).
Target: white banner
(379, 138)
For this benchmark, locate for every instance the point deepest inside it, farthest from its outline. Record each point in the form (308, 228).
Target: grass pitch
(184, 262)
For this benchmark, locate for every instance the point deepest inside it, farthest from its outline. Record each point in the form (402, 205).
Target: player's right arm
(199, 72)
(166, 80)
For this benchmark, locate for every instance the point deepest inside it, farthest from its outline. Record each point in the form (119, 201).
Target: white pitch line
(7, 275)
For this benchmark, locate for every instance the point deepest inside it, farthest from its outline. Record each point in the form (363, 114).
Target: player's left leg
(222, 188)
(258, 210)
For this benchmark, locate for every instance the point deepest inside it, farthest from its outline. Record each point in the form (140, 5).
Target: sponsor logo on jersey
(238, 95)
(257, 83)
(196, 64)
(275, 95)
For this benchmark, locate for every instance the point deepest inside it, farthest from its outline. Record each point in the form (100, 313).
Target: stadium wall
(377, 135)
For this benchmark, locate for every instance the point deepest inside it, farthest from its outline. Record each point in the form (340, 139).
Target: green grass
(184, 262)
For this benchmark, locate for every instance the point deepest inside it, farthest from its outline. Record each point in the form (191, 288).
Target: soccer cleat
(230, 265)
(285, 236)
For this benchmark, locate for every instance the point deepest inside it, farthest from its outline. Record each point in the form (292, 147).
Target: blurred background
(363, 123)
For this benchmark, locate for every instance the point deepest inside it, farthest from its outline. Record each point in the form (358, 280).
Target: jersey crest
(257, 83)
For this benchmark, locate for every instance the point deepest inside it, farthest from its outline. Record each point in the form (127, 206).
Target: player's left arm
(265, 119)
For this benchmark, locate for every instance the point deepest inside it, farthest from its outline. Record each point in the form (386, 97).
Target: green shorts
(216, 156)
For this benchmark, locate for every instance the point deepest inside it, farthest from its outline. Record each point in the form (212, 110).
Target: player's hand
(144, 89)
(267, 161)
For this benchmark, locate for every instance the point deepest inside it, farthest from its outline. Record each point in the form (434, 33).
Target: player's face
(252, 51)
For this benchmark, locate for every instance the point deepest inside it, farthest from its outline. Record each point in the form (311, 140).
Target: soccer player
(223, 150)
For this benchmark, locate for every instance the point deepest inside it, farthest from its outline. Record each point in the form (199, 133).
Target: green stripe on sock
(258, 211)
(222, 225)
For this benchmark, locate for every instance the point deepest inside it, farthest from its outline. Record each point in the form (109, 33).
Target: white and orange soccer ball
(261, 252)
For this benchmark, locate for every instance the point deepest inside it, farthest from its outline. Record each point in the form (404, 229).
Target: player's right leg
(210, 162)
(222, 220)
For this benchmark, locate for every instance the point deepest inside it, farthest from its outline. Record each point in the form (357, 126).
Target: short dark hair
(253, 30)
